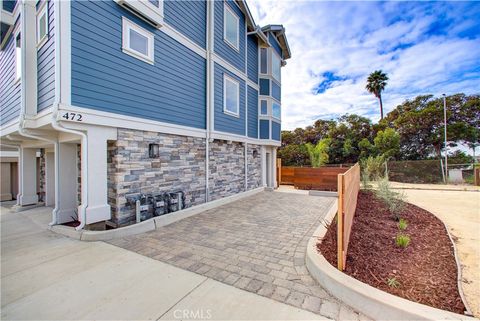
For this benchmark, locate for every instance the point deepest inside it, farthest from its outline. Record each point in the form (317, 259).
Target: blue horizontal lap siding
(173, 90)
(264, 129)
(9, 88)
(189, 18)
(225, 122)
(154, 2)
(273, 41)
(264, 87)
(276, 129)
(223, 49)
(276, 91)
(252, 58)
(46, 64)
(252, 101)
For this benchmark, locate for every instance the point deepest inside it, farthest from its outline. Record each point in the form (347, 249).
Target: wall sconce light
(153, 151)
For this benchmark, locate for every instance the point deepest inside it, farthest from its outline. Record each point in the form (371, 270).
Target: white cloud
(351, 39)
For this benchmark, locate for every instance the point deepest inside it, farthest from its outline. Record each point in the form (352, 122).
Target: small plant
(402, 224)
(393, 282)
(402, 240)
(395, 201)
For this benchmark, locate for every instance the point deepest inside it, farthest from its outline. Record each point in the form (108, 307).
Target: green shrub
(402, 224)
(402, 240)
(395, 201)
(373, 167)
(393, 282)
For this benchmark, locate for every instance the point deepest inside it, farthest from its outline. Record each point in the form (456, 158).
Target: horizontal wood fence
(321, 178)
(348, 187)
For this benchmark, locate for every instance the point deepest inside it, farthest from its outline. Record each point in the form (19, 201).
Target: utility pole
(445, 134)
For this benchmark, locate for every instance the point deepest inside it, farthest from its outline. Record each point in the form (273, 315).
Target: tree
(318, 153)
(387, 143)
(294, 155)
(376, 83)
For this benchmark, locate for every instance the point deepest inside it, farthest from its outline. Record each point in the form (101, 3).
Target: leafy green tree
(318, 153)
(294, 155)
(387, 143)
(376, 83)
(366, 148)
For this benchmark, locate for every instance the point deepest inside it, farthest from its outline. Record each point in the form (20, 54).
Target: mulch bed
(426, 269)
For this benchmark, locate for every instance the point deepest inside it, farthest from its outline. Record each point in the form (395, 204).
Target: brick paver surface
(257, 244)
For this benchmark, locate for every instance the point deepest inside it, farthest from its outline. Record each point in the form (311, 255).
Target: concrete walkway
(460, 211)
(46, 276)
(257, 244)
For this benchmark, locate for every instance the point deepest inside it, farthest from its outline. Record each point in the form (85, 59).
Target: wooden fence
(322, 178)
(348, 187)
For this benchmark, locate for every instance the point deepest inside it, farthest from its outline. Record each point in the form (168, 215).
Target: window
(231, 96)
(230, 27)
(263, 107)
(263, 60)
(137, 42)
(276, 111)
(18, 57)
(42, 25)
(276, 65)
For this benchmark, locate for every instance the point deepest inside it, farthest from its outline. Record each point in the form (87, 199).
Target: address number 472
(73, 116)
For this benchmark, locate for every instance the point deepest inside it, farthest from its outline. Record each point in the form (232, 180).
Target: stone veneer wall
(181, 166)
(254, 161)
(79, 174)
(41, 177)
(227, 169)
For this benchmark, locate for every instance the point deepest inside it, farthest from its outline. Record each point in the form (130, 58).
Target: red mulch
(426, 269)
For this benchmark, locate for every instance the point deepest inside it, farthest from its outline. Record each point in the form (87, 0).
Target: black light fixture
(153, 151)
(255, 153)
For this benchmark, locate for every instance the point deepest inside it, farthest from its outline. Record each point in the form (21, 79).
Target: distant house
(123, 97)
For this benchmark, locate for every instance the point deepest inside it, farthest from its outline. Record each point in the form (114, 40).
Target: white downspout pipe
(57, 126)
(210, 75)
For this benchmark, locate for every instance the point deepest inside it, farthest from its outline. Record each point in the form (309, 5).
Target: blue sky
(424, 47)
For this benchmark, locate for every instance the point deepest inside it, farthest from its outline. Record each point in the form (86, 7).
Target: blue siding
(46, 65)
(264, 87)
(276, 91)
(264, 129)
(224, 122)
(154, 2)
(276, 129)
(273, 41)
(188, 17)
(9, 5)
(252, 58)
(252, 117)
(236, 58)
(104, 78)
(9, 89)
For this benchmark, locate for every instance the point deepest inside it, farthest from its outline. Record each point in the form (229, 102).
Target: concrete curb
(364, 298)
(150, 224)
(322, 193)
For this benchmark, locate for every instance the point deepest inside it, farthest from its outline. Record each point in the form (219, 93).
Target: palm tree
(376, 83)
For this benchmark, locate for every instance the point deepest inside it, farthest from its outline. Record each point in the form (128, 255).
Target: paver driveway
(257, 244)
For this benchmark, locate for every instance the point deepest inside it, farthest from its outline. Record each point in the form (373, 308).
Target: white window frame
(18, 56)
(226, 8)
(145, 10)
(274, 52)
(126, 26)
(260, 60)
(280, 105)
(237, 84)
(42, 11)
(260, 105)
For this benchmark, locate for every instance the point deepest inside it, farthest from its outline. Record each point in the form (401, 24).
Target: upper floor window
(42, 24)
(263, 107)
(276, 110)
(137, 41)
(263, 60)
(276, 65)
(231, 96)
(231, 27)
(150, 11)
(18, 56)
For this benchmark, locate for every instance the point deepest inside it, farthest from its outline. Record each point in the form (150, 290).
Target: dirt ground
(460, 211)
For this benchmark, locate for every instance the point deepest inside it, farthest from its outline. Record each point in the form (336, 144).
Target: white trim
(18, 59)
(260, 99)
(237, 84)
(226, 8)
(95, 117)
(260, 60)
(145, 10)
(9, 127)
(43, 10)
(243, 139)
(274, 52)
(237, 72)
(182, 39)
(128, 25)
(273, 116)
(63, 63)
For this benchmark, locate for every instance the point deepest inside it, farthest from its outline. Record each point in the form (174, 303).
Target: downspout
(209, 96)
(59, 127)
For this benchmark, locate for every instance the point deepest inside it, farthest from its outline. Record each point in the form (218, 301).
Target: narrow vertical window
(263, 107)
(231, 96)
(276, 110)
(230, 27)
(42, 25)
(18, 57)
(276, 66)
(263, 61)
